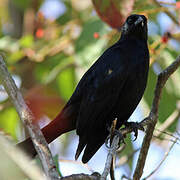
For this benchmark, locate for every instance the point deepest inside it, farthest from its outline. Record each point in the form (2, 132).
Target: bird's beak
(139, 20)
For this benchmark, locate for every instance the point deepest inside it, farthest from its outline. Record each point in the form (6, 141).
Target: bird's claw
(121, 138)
(135, 127)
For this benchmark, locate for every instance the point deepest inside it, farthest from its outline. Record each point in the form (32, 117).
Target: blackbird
(111, 88)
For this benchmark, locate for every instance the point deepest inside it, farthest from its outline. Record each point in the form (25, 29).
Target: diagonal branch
(26, 117)
(171, 15)
(162, 78)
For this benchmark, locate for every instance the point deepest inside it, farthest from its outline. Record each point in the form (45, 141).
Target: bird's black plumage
(112, 87)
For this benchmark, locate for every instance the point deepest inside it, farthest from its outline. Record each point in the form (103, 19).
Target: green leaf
(103, 4)
(86, 37)
(56, 161)
(9, 121)
(67, 16)
(128, 150)
(66, 83)
(145, 6)
(16, 56)
(149, 92)
(57, 69)
(168, 98)
(88, 49)
(22, 4)
(43, 69)
(26, 41)
(8, 44)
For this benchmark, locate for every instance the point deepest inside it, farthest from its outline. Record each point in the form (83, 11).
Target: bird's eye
(130, 21)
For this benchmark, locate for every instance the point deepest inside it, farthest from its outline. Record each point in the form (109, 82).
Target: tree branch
(114, 145)
(26, 117)
(174, 19)
(94, 176)
(162, 78)
(112, 151)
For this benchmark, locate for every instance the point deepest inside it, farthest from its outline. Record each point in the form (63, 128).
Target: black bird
(111, 88)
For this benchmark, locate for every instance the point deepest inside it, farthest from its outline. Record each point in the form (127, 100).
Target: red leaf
(113, 12)
(43, 101)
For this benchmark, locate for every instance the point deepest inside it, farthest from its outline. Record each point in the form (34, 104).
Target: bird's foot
(121, 138)
(135, 127)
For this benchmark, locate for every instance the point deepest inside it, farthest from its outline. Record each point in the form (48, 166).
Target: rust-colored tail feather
(64, 122)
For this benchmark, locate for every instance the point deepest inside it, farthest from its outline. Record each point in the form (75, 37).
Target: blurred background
(49, 44)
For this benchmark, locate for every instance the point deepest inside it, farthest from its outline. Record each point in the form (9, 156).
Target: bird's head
(135, 26)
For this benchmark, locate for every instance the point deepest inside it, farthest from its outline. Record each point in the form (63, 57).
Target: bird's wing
(101, 86)
(100, 95)
(99, 100)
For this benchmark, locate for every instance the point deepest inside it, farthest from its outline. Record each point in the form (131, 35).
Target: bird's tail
(64, 122)
(90, 146)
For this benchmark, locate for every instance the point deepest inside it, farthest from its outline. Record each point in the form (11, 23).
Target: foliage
(50, 55)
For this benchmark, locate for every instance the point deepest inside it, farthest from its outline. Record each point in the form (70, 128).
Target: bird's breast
(132, 92)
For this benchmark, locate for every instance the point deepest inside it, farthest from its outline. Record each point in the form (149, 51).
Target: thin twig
(178, 133)
(162, 78)
(114, 144)
(112, 168)
(174, 19)
(26, 117)
(166, 155)
(113, 158)
(173, 117)
(125, 177)
(167, 133)
(166, 139)
(121, 149)
(111, 152)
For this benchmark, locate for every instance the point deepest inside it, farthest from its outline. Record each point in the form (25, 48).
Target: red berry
(164, 39)
(96, 35)
(39, 33)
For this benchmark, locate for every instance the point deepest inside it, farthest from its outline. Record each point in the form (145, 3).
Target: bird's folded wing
(99, 101)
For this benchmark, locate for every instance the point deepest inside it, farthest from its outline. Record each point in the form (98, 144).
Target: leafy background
(49, 44)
